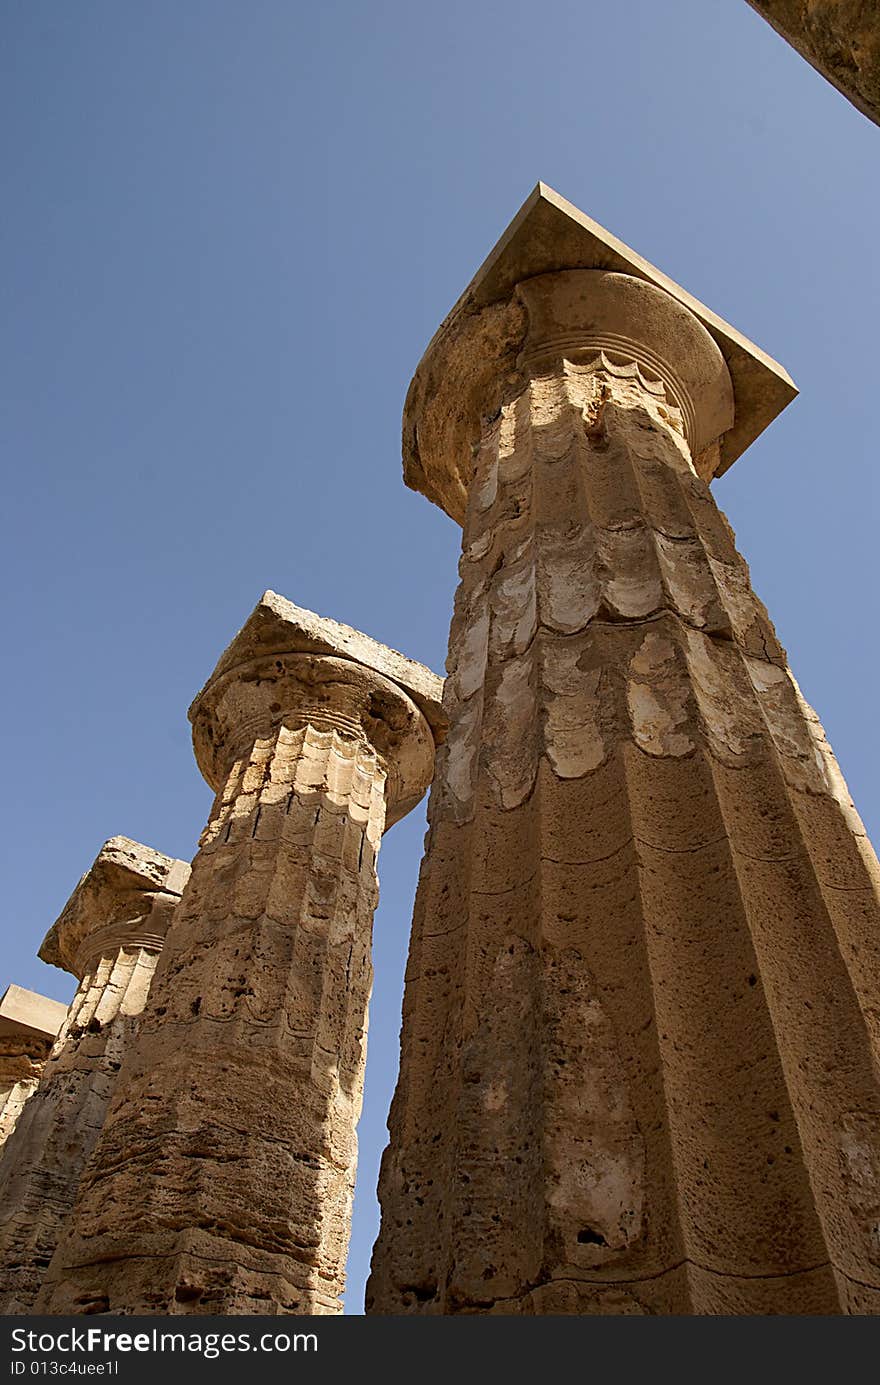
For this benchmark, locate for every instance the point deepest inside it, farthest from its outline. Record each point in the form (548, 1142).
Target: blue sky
(231, 228)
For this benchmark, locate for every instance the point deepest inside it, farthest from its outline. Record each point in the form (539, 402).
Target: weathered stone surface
(640, 1029)
(28, 1025)
(277, 627)
(840, 38)
(109, 936)
(223, 1178)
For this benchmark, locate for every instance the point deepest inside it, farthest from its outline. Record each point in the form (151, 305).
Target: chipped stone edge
(277, 626)
(127, 865)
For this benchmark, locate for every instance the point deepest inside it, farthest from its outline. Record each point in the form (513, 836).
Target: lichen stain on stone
(548, 413)
(472, 652)
(857, 1151)
(457, 759)
(573, 738)
(766, 678)
(689, 583)
(720, 691)
(514, 607)
(568, 583)
(832, 777)
(509, 733)
(514, 463)
(612, 1180)
(657, 698)
(778, 703)
(632, 578)
(476, 551)
(747, 618)
(596, 1199)
(485, 484)
(496, 1096)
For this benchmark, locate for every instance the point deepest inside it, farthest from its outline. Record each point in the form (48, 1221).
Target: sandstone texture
(640, 1032)
(222, 1181)
(109, 936)
(28, 1025)
(840, 38)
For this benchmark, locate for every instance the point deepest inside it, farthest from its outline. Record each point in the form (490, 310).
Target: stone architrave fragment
(109, 936)
(640, 1035)
(222, 1182)
(840, 38)
(28, 1025)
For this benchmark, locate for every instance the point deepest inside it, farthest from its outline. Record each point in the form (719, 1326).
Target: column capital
(730, 389)
(630, 329)
(123, 899)
(288, 666)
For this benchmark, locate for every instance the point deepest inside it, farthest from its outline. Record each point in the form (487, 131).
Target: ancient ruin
(639, 1051)
(840, 38)
(28, 1025)
(640, 1038)
(109, 936)
(222, 1180)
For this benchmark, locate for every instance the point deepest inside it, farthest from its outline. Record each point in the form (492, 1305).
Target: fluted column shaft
(43, 1159)
(223, 1179)
(639, 1049)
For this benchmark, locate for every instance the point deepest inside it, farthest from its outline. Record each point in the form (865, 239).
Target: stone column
(222, 1182)
(640, 1039)
(109, 936)
(28, 1025)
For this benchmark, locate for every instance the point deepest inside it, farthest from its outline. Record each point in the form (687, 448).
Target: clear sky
(230, 228)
